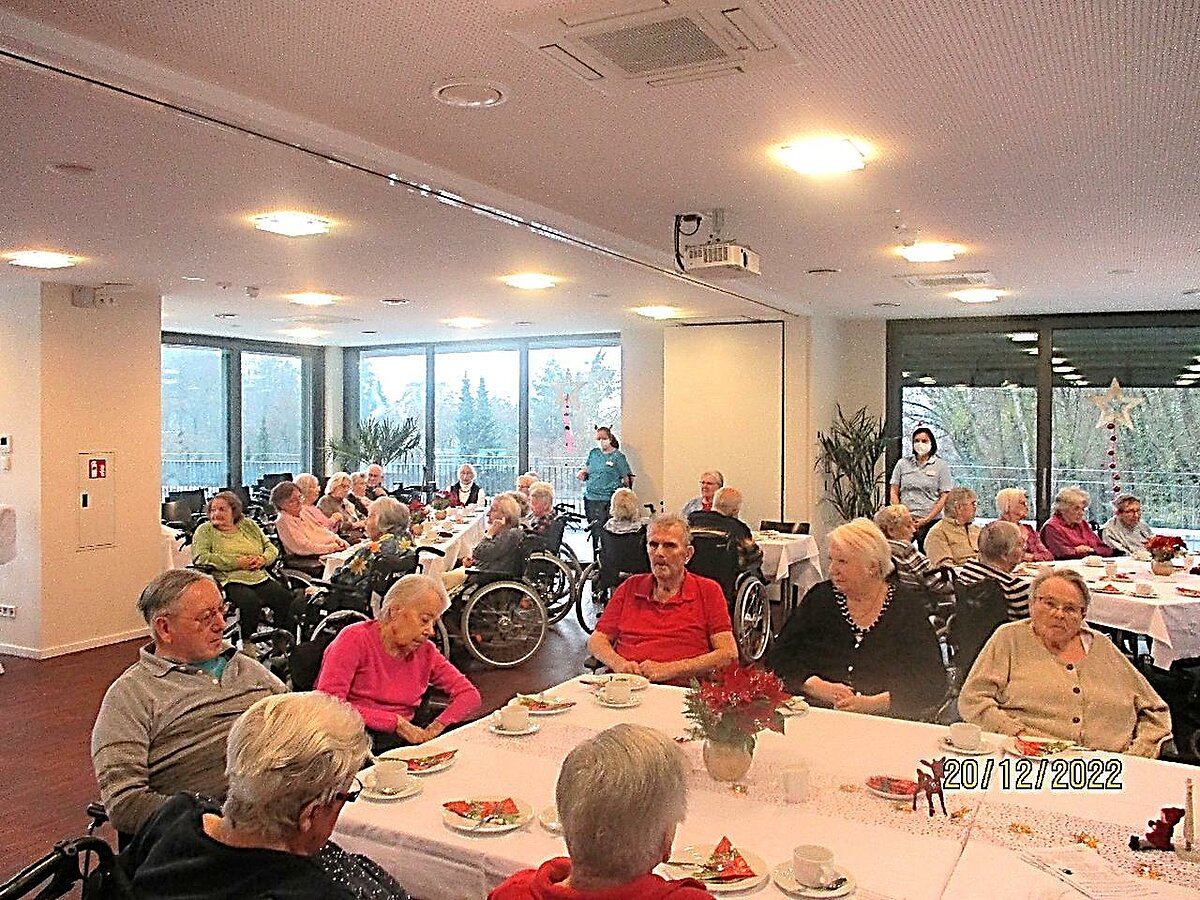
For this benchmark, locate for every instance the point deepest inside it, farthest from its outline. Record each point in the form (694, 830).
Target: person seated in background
(1051, 676)
(239, 552)
(163, 723)
(669, 624)
(500, 550)
(541, 507)
(310, 493)
(375, 488)
(723, 517)
(521, 500)
(1012, 505)
(383, 667)
(1126, 531)
(1066, 533)
(358, 493)
(620, 797)
(912, 566)
(387, 536)
(466, 491)
(291, 766)
(336, 506)
(624, 512)
(1001, 549)
(526, 481)
(861, 642)
(300, 535)
(955, 537)
(710, 483)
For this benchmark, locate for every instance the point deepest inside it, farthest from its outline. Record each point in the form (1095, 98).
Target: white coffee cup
(1143, 589)
(1093, 560)
(618, 690)
(812, 866)
(1110, 569)
(797, 783)
(966, 736)
(391, 774)
(514, 717)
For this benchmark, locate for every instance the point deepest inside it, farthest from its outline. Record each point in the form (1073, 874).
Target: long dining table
(456, 536)
(892, 851)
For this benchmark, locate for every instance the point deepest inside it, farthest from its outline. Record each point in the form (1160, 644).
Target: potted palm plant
(851, 457)
(374, 440)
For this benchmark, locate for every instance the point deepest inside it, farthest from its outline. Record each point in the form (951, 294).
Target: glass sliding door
(274, 426)
(476, 402)
(195, 417)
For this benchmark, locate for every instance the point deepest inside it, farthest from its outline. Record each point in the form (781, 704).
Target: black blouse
(899, 654)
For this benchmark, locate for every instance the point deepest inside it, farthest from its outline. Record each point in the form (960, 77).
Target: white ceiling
(1055, 140)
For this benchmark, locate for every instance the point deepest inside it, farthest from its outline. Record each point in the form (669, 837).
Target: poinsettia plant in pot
(1164, 548)
(728, 711)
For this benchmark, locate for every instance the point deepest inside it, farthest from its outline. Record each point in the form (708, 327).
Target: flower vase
(1162, 567)
(727, 762)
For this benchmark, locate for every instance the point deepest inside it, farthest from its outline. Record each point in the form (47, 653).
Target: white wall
(641, 432)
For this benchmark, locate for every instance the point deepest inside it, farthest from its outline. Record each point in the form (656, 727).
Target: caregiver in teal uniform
(605, 471)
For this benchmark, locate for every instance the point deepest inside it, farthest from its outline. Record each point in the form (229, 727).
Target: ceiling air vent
(947, 281)
(316, 320)
(639, 44)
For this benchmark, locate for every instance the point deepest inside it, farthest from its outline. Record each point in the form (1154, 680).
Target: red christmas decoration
(1159, 835)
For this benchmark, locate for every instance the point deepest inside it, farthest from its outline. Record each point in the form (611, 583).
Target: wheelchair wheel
(555, 583)
(441, 639)
(336, 621)
(751, 621)
(503, 623)
(590, 598)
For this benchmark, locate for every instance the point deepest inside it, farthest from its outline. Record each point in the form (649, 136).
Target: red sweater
(1061, 539)
(545, 883)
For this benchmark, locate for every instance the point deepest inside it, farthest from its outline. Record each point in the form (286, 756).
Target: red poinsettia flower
(1164, 547)
(735, 704)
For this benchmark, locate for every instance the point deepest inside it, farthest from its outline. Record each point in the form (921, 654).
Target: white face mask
(604, 443)
(921, 448)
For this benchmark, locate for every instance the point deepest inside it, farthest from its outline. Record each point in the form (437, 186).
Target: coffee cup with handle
(966, 736)
(391, 775)
(812, 866)
(618, 691)
(513, 717)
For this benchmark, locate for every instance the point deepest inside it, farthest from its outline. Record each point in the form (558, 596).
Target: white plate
(546, 712)
(985, 747)
(549, 819)
(459, 823)
(411, 789)
(701, 856)
(628, 704)
(1010, 746)
(637, 682)
(903, 798)
(531, 728)
(417, 753)
(786, 882)
(797, 706)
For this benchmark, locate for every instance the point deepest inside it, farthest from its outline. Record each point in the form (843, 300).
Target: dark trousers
(251, 598)
(596, 512)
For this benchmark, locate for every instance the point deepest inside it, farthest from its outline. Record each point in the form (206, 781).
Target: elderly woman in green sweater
(1051, 676)
(237, 551)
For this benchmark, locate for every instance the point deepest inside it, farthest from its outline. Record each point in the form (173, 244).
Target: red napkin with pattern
(421, 763)
(482, 809)
(725, 864)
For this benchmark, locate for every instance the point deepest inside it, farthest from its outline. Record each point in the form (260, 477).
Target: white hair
(664, 520)
(391, 516)
(409, 590)
(956, 496)
(308, 484)
(863, 539)
(624, 505)
(727, 501)
(1068, 575)
(998, 540)
(889, 518)
(336, 479)
(1069, 496)
(543, 490)
(1008, 498)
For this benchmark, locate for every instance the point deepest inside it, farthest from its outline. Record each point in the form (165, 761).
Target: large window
(273, 421)
(392, 387)
(476, 397)
(195, 430)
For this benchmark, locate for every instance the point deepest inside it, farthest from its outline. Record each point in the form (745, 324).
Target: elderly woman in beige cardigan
(1052, 676)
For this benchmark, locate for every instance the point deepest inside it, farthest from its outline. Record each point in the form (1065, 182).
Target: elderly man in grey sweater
(1126, 531)
(163, 724)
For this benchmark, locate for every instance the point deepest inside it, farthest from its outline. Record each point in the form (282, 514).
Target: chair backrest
(242, 493)
(622, 555)
(553, 535)
(774, 525)
(387, 570)
(979, 610)
(715, 557)
(193, 499)
(176, 512)
(269, 481)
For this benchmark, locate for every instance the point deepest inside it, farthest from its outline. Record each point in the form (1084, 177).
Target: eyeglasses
(1068, 609)
(206, 618)
(356, 788)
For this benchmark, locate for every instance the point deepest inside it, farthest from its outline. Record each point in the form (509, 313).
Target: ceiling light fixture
(978, 295)
(658, 312)
(312, 298)
(465, 322)
(470, 93)
(929, 251)
(226, 315)
(906, 374)
(290, 223)
(191, 277)
(522, 323)
(530, 281)
(1032, 351)
(1072, 376)
(394, 301)
(927, 379)
(1022, 337)
(822, 156)
(303, 333)
(1193, 368)
(1179, 382)
(41, 259)
(1082, 383)
(1057, 360)
(76, 169)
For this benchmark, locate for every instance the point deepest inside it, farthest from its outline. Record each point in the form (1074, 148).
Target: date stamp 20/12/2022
(1059, 773)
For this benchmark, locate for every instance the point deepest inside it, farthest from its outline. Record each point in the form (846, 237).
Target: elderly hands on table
(843, 697)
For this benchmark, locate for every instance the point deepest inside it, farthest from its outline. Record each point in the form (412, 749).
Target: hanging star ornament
(1114, 406)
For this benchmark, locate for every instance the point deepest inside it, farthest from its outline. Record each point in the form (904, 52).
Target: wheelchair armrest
(97, 813)
(432, 551)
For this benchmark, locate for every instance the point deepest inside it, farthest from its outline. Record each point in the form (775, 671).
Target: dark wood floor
(47, 709)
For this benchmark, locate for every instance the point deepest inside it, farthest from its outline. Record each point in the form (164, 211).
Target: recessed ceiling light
(1179, 382)
(470, 93)
(225, 315)
(906, 374)
(978, 295)
(885, 304)
(465, 322)
(290, 223)
(930, 251)
(394, 301)
(927, 379)
(303, 333)
(312, 298)
(1032, 351)
(1193, 368)
(1057, 360)
(41, 259)
(530, 281)
(601, 295)
(1082, 383)
(75, 169)
(658, 312)
(191, 277)
(822, 156)
(370, 332)
(1022, 337)
(1073, 376)
(1121, 271)
(1059, 370)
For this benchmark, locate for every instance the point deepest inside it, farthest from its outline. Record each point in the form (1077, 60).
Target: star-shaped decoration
(1114, 406)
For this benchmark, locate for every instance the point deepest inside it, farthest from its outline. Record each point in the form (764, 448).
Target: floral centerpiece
(417, 511)
(1164, 548)
(728, 711)
(440, 500)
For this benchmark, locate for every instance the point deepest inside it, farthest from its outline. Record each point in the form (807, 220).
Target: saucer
(628, 704)
(786, 882)
(475, 826)
(375, 795)
(796, 706)
(531, 728)
(985, 748)
(549, 819)
(699, 856)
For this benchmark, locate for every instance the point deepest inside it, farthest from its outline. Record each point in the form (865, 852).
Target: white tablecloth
(791, 556)
(1169, 618)
(467, 534)
(174, 555)
(892, 851)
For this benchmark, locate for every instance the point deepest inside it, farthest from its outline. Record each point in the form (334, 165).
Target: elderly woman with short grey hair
(336, 506)
(1066, 533)
(384, 666)
(291, 764)
(1126, 531)
(1050, 675)
(861, 642)
(301, 534)
(955, 538)
(912, 566)
(624, 513)
(541, 507)
(1012, 505)
(620, 797)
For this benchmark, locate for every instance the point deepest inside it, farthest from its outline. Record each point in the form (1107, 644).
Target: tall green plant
(851, 456)
(374, 441)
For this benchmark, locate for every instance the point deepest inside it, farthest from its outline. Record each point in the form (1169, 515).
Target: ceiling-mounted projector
(721, 258)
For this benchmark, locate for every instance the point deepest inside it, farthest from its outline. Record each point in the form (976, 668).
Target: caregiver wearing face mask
(605, 471)
(921, 482)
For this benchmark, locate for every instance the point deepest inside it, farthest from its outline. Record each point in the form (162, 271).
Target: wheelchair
(716, 557)
(552, 568)
(618, 557)
(88, 859)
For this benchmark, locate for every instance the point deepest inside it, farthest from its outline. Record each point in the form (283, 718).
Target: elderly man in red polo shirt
(669, 625)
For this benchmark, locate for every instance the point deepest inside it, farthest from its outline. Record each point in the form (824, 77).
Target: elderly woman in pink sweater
(383, 667)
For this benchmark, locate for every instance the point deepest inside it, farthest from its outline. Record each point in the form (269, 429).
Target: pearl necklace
(860, 631)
